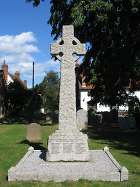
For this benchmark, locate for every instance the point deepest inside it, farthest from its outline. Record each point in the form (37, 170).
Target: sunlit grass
(13, 148)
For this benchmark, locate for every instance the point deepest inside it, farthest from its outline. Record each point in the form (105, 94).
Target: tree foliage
(2, 94)
(16, 98)
(111, 30)
(35, 2)
(21, 102)
(49, 90)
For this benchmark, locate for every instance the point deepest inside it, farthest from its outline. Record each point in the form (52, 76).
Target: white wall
(84, 98)
(106, 108)
(123, 108)
(137, 94)
(102, 108)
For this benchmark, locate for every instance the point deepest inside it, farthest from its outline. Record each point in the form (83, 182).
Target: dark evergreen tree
(111, 30)
(16, 98)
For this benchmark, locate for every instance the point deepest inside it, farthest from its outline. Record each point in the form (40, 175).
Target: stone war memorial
(67, 156)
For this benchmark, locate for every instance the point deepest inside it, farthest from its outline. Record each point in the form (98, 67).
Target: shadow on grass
(13, 120)
(122, 140)
(25, 122)
(36, 146)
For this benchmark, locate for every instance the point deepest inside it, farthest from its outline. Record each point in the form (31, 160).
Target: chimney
(17, 75)
(5, 70)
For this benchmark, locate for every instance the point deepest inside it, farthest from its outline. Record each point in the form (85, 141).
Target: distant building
(82, 90)
(10, 78)
(5, 79)
(84, 96)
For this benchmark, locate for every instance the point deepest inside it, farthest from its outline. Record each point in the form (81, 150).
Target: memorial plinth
(101, 166)
(68, 146)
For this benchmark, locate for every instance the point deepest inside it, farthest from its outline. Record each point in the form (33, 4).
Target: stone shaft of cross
(64, 50)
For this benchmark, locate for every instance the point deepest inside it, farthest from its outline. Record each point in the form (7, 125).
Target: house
(5, 79)
(82, 90)
(84, 96)
(10, 78)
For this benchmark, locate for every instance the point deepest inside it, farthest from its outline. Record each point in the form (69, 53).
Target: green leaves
(35, 2)
(111, 28)
(49, 90)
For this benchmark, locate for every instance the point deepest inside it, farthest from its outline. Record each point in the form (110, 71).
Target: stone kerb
(99, 167)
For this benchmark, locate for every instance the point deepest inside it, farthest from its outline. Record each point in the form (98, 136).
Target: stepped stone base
(101, 166)
(70, 146)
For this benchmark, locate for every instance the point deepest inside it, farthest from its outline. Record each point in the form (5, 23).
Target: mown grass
(125, 147)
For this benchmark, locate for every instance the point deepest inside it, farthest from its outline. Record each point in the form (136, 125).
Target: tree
(35, 2)
(22, 102)
(2, 95)
(49, 90)
(17, 97)
(110, 28)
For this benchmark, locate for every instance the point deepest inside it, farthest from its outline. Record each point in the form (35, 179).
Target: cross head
(68, 45)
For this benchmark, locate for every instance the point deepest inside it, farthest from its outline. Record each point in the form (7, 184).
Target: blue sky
(25, 36)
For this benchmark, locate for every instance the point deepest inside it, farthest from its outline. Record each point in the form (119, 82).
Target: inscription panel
(55, 148)
(80, 148)
(67, 148)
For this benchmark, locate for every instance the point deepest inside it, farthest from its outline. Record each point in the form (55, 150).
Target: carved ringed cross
(64, 49)
(68, 45)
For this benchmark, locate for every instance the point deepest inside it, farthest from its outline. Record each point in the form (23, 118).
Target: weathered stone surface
(67, 143)
(99, 167)
(58, 148)
(64, 50)
(33, 133)
(124, 174)
(82, 119)
(71, 146)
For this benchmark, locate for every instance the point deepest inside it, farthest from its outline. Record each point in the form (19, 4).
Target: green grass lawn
(125, 147)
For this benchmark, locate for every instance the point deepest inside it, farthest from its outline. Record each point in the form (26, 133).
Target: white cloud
(41, 69)
(18, 48)
(25, 37)
(47, 66)
(18, 52)
(22, 43)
